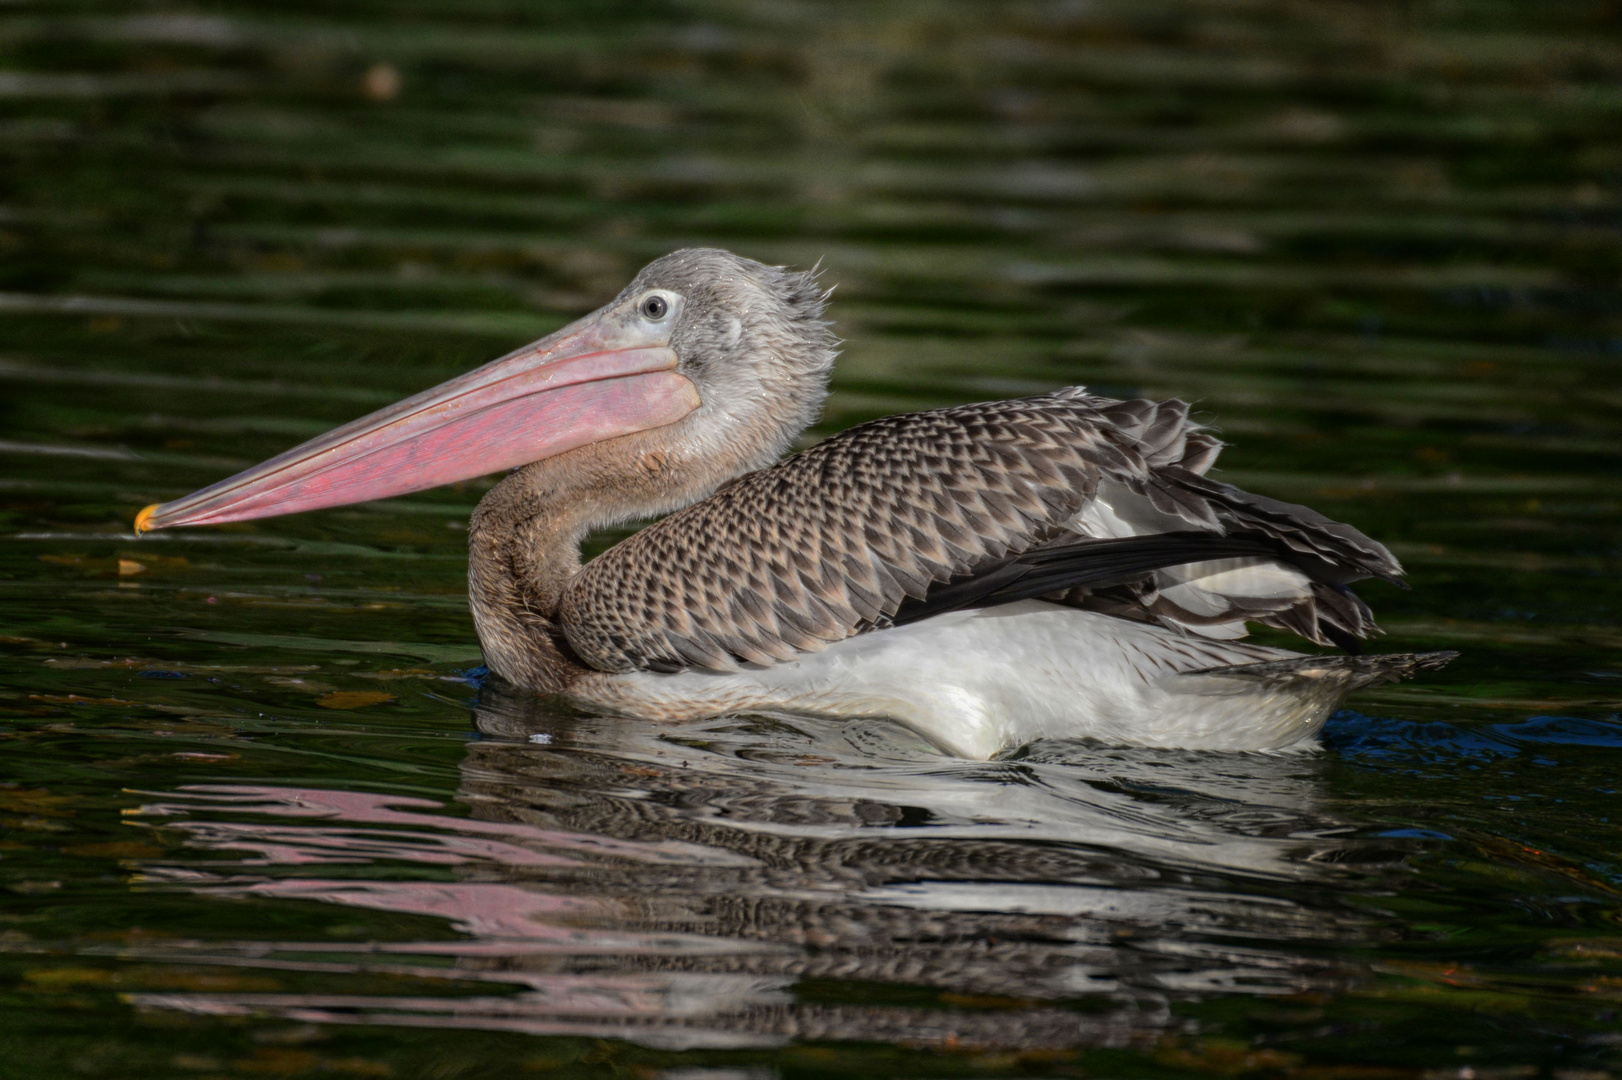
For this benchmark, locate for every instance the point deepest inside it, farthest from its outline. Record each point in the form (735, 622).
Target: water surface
(262, 816)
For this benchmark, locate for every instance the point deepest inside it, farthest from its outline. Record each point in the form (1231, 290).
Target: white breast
(979, 682)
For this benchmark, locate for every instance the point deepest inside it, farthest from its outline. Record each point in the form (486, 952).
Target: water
(260, 818)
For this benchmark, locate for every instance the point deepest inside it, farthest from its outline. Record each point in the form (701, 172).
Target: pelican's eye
(655, 307)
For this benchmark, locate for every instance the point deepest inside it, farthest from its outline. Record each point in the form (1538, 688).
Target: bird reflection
(748, 881)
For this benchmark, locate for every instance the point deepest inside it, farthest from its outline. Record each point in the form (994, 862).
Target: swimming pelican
(989, 574)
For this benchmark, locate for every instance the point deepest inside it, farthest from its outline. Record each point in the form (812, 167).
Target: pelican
(1057, 566)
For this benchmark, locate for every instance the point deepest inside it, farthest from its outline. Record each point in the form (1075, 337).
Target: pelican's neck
(519, 561)
(524, 538)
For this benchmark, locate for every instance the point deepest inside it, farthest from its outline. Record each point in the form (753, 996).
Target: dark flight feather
(1089, 564)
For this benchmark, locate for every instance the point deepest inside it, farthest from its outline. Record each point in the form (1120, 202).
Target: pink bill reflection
(506, 927)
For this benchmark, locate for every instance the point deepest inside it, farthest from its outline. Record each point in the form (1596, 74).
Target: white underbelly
(977, 683)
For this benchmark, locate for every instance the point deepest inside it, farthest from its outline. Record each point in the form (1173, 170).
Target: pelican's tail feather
(1350, 672)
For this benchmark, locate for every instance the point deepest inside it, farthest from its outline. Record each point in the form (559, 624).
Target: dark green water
(257, 823)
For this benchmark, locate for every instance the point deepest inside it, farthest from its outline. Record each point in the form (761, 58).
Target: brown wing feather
(824, 544)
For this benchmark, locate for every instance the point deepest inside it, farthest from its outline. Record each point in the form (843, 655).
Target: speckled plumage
(832, 541)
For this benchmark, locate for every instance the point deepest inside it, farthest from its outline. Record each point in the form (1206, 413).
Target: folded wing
(1076, 498)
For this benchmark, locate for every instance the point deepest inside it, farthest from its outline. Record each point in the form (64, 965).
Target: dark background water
(259, 820)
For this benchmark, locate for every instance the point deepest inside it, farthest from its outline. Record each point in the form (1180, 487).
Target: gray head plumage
(752, 337)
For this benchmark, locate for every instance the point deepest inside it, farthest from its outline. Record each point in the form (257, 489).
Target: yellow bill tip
(143, 517)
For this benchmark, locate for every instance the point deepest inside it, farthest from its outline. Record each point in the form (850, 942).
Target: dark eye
(655, 308)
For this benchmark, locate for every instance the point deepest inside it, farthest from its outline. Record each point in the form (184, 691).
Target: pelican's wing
(903, 517)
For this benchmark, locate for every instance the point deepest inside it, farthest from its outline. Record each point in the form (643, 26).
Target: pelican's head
(706, 357)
